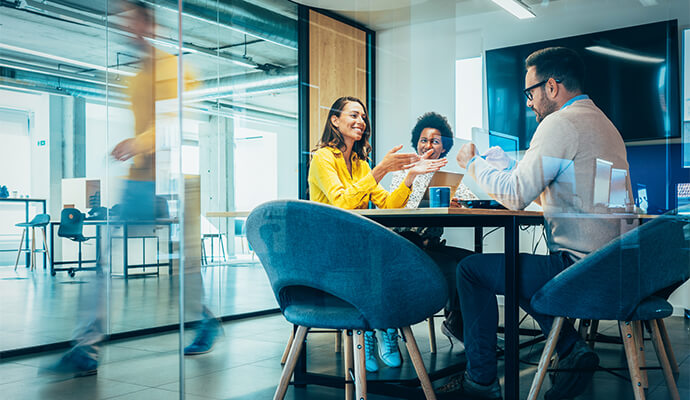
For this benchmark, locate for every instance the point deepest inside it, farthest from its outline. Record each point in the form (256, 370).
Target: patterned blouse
(419, 186)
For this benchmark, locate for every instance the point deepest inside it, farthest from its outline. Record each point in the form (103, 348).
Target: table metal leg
(52, 250)
(125, 262)
(511, 310)
(170, 250)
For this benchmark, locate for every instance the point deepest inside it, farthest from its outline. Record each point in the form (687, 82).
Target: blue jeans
(480, 278)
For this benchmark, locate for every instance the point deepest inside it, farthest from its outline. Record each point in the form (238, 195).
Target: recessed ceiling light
(515, 7)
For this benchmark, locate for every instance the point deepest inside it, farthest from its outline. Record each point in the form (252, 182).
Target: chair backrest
(71, 223)
(239, 227)
(305, 246)
(40, 220)
(610, 282)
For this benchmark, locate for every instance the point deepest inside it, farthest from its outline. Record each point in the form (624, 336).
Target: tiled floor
(245, 365)
(38, 309)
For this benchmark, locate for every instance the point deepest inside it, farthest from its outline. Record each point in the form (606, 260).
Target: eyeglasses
(528, 91)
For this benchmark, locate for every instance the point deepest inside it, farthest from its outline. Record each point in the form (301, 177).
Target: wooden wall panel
(337, 67)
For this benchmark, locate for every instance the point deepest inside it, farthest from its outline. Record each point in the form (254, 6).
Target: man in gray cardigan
(573, 141)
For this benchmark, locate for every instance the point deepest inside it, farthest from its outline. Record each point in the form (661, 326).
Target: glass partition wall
(93, 122)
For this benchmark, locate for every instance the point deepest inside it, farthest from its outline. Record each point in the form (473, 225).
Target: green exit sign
(41, 143)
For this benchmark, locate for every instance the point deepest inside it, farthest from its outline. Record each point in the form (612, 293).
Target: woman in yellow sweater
(339, 174)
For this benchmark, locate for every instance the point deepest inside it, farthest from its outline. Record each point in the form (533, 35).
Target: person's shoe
(388, 350)
(568, 384)
(75, 363)
(452, 327)
(205, 338)
(370, 352)
(462, 387)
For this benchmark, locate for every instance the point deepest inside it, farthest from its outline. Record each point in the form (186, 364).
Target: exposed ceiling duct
(240, 15)
(65, 84)
(234, 14)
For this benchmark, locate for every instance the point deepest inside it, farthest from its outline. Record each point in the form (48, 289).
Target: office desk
(125, 225)
(26, 219)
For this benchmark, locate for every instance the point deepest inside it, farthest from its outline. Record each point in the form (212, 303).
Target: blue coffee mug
(439, 196)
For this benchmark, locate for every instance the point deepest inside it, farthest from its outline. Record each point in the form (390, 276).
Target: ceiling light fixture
(516, 7)
(628, 55)
(64, 60)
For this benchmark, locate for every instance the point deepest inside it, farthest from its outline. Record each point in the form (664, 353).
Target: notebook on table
(442, 178)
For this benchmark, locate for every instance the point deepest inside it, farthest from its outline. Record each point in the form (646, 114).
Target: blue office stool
(39, 221)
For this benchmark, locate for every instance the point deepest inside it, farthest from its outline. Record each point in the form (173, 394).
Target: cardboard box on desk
(81, 193)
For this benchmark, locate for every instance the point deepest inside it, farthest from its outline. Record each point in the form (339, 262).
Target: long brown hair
(331, 136)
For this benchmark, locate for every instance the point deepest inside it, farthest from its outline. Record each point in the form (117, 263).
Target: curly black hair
(436, 121)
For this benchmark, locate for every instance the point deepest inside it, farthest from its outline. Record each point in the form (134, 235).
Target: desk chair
(72, 227)
(39, 221)
(623, 281)
(332, 269)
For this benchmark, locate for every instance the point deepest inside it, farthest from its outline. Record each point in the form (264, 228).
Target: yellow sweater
(330, 182)
(156, 81)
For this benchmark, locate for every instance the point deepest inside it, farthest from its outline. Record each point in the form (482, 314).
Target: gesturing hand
(394, 161)
(124, 150)
(467, 151)
(426, 165)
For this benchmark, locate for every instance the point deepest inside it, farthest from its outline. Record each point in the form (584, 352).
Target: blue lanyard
(574, 99)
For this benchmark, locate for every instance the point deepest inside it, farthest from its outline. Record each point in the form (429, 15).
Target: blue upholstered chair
(332, 269)
(625, 281)
(39, 221)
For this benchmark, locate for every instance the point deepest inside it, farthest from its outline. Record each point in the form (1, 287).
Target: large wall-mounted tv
(631, 74)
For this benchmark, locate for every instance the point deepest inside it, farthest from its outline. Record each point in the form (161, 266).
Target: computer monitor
(602, 182)
(618, 197)
(683, 196)
(484, 139)
(509, 144)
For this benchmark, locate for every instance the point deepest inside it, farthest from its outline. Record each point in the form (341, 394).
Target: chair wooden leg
(360, 368)
(338, 341)
(418, 363)
(592, 336)
(639, 344)
(19, 251)
(349, 366)
(283, 359)
(663, 360)
(33, 248)
(432, 335)
(45, 244)
(549, 348)
(291, 362)
(667, 346)
(631, 354)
